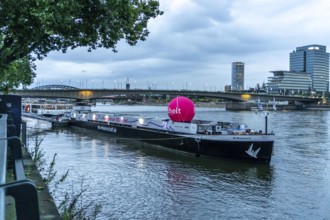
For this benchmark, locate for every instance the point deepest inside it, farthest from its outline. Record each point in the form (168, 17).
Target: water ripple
(137, 181)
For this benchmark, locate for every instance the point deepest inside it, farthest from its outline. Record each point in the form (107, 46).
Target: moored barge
(180, 132)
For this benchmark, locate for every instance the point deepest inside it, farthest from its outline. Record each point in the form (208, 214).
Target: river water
(138, 181)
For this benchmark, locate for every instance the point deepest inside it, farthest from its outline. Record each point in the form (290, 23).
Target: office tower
(128, 85)
(237, 76)
(314, 60)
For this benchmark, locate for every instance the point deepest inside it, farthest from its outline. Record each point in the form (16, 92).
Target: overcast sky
(194, 43)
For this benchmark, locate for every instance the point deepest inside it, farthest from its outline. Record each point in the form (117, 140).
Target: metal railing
(3, 162)
(22, 190)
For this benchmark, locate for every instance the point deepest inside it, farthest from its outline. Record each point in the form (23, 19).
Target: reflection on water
(133, 180)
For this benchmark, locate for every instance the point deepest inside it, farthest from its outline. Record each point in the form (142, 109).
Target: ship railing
(127, 114)
(21, 190)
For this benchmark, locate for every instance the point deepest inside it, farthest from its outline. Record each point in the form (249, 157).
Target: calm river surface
(138, 181)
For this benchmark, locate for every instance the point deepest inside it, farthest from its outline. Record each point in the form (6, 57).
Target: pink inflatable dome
(181, 109)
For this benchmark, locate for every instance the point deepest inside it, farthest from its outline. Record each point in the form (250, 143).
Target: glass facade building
(313, 60)
(286, 82)
(237, 76)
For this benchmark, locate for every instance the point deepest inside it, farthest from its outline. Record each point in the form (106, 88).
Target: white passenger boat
(46, 109)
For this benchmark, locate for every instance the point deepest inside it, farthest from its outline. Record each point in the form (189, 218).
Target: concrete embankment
(47, 206)
(247, 106)
(318, 107)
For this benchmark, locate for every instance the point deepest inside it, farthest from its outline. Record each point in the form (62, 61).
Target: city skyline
(193, 45)
(309, 72)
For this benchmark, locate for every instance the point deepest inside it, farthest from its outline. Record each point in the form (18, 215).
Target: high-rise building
(237, 76)
(128, 85)
(314, 60)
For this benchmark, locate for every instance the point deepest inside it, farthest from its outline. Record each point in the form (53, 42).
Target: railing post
(23, 133)
(26, 199)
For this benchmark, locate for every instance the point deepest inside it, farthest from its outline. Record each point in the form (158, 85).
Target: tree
(30, 29)
(18, 72)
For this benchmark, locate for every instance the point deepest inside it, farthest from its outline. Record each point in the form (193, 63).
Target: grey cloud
(198, 41)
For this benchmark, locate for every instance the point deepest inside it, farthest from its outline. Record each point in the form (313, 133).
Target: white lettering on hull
(109, 129)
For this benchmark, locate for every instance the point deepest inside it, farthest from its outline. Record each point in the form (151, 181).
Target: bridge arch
(55, 87)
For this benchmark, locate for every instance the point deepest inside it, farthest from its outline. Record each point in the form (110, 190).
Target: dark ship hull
(256, 148)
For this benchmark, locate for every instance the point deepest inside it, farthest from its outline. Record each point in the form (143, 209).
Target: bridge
(60, 91)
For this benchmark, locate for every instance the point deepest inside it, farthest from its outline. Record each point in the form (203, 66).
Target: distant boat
(46, 109)
(259, 105)
(274, 104)
(60, 122)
